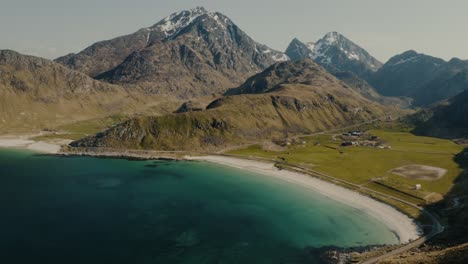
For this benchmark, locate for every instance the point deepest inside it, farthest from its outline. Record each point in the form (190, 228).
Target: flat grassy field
(360, 165)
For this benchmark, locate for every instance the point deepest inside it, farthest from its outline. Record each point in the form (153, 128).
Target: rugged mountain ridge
(401, 73)
(283, 107)
(449, 80)
(336, 53)
(366, 90)
(448, 119)
(301, 72)
(36, 93)
(206, 51)
(424, 78)
(298, 50)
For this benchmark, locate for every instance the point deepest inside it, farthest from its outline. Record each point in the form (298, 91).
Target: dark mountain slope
(366, 90)
(448, 81)
(423, 78)
(404, 73)
(448, 119)
(298, 50)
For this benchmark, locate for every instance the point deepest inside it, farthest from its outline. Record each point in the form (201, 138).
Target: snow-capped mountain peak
(331, 37)
(336, 53)
(214, 24)
(175, 22)
(334, 39)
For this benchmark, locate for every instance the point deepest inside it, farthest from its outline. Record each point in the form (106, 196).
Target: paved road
(437, 228)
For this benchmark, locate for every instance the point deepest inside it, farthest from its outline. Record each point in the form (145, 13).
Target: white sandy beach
(402, 225)
(24, 142)
(396, 221)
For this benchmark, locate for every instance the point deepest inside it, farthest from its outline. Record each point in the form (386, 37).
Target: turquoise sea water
(90, 210)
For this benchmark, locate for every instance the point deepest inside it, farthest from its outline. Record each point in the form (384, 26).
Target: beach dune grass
(80, 129)
(360, 165)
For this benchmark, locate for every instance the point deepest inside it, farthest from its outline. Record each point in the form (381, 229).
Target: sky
(52, 28)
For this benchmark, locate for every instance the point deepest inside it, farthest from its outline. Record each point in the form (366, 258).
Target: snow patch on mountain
(406, 60)
(280, 57)
(336, 53)
(275, 55)
(333, 39)
(310, 45)
(174, 23)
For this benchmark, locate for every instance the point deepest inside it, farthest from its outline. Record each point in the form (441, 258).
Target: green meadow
(370, 167)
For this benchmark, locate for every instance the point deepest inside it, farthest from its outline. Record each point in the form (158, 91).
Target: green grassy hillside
(319, 103)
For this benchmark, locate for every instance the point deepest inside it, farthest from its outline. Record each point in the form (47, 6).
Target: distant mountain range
(336, 53)
(210, 54)
(448, 119)
(424, 78)
(294, 97)
(189, 53)
(347, 61)
(196, 53)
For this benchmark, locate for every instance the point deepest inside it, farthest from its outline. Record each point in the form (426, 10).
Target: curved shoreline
(402, 225)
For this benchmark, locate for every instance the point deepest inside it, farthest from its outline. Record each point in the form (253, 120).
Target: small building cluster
(353, 134)
(289, 142)
(360, 138)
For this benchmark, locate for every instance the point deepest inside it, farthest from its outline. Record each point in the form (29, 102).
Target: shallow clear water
(89, 210)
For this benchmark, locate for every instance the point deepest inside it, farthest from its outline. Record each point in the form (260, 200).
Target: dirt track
(420, 172)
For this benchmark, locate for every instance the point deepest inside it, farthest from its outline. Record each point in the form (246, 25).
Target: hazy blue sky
(51, 28)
